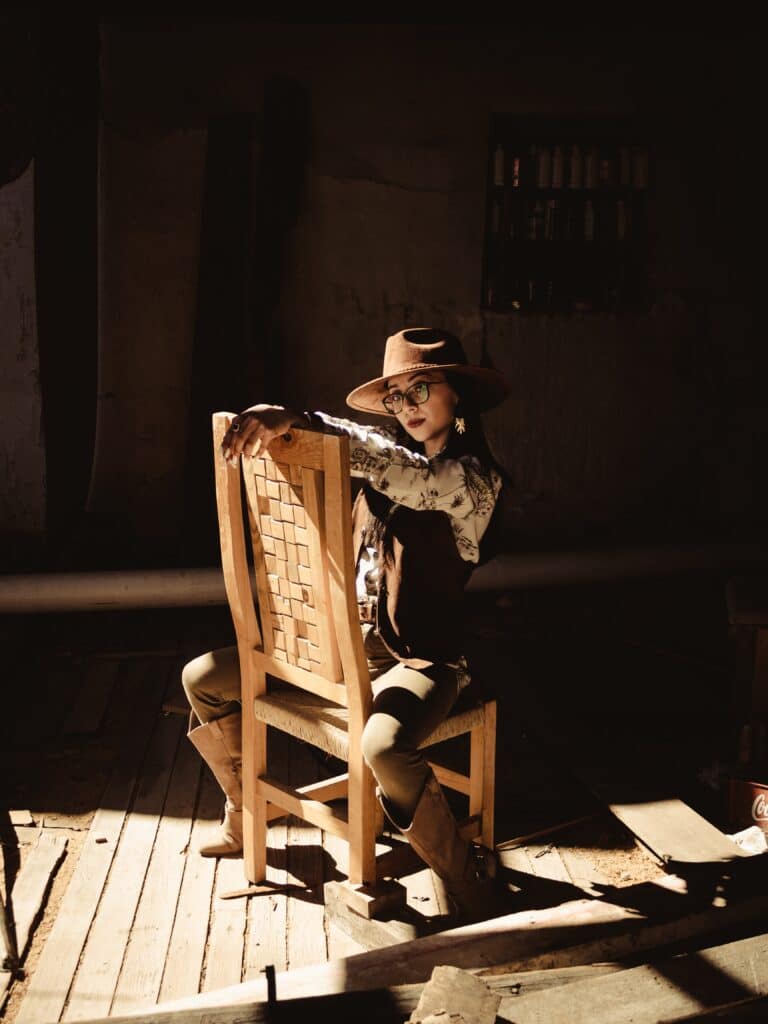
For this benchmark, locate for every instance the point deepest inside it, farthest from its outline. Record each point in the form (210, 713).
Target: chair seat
(326, 725)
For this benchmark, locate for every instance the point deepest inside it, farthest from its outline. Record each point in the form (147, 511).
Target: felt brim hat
(425, 348)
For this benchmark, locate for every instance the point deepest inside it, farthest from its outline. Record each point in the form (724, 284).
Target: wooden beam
(664, 989)
(584, 931)
(373, 1006)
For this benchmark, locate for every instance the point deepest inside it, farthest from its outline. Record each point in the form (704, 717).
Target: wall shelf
(566, 215)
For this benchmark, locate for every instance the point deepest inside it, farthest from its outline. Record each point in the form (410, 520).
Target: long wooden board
(579, 932)
(661, 990)
(371, 1006)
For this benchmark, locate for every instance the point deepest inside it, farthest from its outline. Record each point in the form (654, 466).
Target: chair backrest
(299, 510)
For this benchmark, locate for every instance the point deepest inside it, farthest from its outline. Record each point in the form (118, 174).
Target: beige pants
(408, 704)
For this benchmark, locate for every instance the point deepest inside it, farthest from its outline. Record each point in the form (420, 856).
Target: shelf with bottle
(570, 166)
(566, 219)
(513, 291)
(570, 219)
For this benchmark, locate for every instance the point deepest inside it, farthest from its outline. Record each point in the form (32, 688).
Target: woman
(423, 519)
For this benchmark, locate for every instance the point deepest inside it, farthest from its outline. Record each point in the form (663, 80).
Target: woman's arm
(464, 488)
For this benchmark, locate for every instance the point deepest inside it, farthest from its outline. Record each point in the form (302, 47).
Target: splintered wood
(286, 543)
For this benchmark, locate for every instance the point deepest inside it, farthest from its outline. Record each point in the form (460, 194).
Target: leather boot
(220, 745)
(468, 872)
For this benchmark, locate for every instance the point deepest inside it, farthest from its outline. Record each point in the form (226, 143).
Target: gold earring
(459, 425)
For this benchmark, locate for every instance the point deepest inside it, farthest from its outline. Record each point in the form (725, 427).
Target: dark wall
(276, 199)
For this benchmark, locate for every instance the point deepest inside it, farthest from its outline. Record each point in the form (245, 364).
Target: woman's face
(429, 421)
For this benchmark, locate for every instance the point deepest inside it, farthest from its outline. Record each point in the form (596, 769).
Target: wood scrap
(451, 992)
(369, 932)
(22, 908)
(20, 817)
(33, 883)
(677, 834)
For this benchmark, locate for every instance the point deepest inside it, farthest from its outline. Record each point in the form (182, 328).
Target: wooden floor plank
(186, 948)
(87, 713)
(267, 915)
(660, 990)
(305, 919)
(516, 865)
(175, 698)
(546, 862)
(141, 976)
(50, 984)
(226, 941)
(94, 985)
(307, 943)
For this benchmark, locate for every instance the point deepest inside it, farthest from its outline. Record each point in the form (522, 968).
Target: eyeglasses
(417, 394)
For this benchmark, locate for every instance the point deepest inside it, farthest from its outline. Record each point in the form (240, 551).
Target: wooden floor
(141, 918)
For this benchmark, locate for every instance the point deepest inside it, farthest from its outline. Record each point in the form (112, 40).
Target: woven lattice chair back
(301, 539)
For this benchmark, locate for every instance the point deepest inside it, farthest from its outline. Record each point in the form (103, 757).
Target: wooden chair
(310, 644)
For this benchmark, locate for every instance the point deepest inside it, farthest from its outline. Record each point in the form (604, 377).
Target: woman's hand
(253, 430)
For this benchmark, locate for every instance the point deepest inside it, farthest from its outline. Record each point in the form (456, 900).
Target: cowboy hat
(426, 348)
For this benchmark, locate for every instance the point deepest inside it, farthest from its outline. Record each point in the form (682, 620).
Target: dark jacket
(420, 609)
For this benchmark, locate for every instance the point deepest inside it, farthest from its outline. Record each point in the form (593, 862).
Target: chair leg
(482, 773)
(254, 806)
(361, 803)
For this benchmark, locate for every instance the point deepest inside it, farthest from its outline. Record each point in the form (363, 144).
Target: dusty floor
(618, 669)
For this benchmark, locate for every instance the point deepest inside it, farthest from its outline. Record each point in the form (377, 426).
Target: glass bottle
(589, 221)
(557, 167)
(590, 167)
(543, 167)
(498, 165)
(640, 167)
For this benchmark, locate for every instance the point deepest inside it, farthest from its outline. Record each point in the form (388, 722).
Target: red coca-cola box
(748, 803)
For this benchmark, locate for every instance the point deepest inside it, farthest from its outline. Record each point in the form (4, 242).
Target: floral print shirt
(464, 488)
